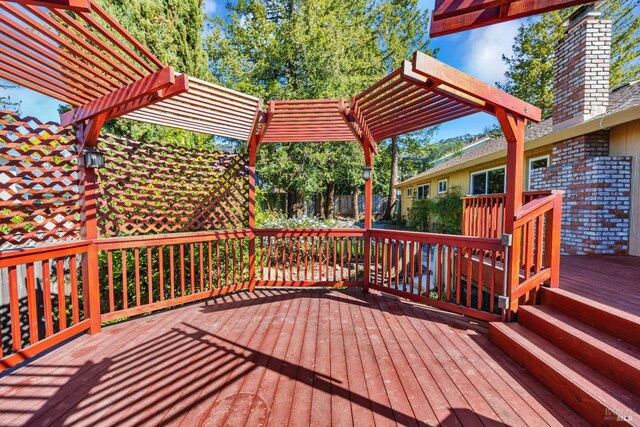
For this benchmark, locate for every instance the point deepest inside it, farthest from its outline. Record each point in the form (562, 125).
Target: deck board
(609, 280)
(280, 357)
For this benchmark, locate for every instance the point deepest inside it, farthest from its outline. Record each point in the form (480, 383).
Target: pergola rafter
(452, 16)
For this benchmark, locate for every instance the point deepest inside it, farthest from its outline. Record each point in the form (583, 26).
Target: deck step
(612, 321)
(617, 359)
(592, 395)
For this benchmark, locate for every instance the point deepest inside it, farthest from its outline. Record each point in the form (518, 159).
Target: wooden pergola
(452, 16)
(73, 51)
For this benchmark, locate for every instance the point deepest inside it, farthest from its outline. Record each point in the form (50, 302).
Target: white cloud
(484, 48)
(210, 7)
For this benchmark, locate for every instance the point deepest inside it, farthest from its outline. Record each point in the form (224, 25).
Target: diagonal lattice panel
(39, 200)
(149, 188)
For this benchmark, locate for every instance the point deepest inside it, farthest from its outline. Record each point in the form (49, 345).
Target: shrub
(440, 215)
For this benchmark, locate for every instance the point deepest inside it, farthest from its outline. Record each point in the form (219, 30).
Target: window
(409, 191)
(537, 163)
(443, 185)
(490, 181)
(423, 191)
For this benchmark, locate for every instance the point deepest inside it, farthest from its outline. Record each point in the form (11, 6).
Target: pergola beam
(74, 5)
(153, 83)
(454, 83)
(452, 16)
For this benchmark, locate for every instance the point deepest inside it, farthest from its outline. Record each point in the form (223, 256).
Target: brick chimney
(581, 69)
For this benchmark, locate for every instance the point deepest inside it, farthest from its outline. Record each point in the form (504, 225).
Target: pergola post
(87, 136)
(513, 128)
(253, 152)
(368, 206)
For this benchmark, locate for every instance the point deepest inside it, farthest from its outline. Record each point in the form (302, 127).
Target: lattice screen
(39, 201)
(150, 188)
(146, 188)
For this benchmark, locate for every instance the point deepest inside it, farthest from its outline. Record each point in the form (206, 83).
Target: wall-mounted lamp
(93, 159)
(366, 173)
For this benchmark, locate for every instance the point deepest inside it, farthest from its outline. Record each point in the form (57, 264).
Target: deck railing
(44, 302)
(483, 216)
(456, 273)
(536, 247)
(47, 292)
(309, 257)
(147, 273)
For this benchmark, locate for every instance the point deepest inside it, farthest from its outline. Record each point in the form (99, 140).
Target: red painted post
(253, 150)
(513, 128)
(555, 243)
(368, 206)
(87, 136)
(90, 280)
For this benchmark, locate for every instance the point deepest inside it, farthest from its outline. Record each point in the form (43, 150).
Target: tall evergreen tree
(530, 69)
(298, 49)
(401, 29)
(172, 30)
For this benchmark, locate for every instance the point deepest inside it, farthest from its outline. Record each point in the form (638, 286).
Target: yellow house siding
(462, 178)
(624, 140)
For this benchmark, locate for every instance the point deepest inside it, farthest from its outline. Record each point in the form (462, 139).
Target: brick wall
(575, 149)
(581, 72)
(596, 205)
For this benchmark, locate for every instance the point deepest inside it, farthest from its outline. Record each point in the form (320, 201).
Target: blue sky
(477, 52)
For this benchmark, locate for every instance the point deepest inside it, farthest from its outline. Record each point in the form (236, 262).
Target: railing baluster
(172, 272)
(480, 272)
(182, 273)
(46, 295)
(161, 271)
(136, 267)
(210, 259)
(201, 258)
(75, 306)
(125, 285)
(235, 264)
(439, 270)
(192, 277)
(110, 280)
(469, 275)
(459, 274)
(14, 309)
(149, 275)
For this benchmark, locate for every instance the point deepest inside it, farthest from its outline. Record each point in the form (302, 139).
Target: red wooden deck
(310, 357)
(610, 280)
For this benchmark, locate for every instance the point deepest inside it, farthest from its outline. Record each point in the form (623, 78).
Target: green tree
(171, 30)
(297, 49)
(401, 27)
(530, 69)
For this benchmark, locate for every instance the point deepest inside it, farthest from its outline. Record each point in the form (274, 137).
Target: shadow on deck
(278, 357)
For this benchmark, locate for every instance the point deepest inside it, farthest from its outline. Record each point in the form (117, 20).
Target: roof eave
(600, 123)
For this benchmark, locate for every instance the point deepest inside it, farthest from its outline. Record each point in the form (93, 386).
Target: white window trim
(486, 185)
(533, 159)
(428, 185)
(446, 180)
(409, 192)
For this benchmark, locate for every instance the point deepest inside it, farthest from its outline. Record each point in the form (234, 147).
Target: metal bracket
(507, 240)
(503, 302)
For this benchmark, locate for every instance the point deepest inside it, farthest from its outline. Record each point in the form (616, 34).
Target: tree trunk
(330, 201)
(295, 204)
(356, 208)
(320, 205)
(391, 199)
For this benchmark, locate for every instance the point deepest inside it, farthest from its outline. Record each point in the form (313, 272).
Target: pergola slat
(452, 16)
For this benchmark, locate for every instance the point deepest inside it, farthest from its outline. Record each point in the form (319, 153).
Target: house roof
(622, 99)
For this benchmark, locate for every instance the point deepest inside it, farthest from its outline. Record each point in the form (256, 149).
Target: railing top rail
(536, 208)
(11, 257)
(309, 232)
(501, 195)
(170, 239)
(440, 239)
